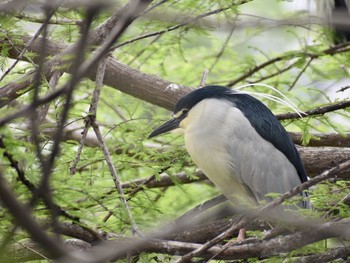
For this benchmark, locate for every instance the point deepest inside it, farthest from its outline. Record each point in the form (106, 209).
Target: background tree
(83, 84)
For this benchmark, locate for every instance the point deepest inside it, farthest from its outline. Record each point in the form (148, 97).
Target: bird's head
(186, 103)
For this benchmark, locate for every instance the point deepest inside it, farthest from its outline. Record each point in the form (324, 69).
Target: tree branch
(118, 75)
(31, 187)
(316, 161)
(317, 111)
(23, 216)
(257, 249)
(329, 51)
(320, 139)
(117, 249)
(332, 254)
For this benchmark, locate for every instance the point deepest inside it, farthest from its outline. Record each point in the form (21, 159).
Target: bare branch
(235, 251)
(92, 111)
(164, 180)
(318, 111)
(116, 249)
(144, 86)
(204, 78)
(114, 175)
(300, 73)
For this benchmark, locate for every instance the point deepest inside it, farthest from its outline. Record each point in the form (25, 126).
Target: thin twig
(53, 82)
(91, 121)
(301, 73)
(14, 164)
(277, 73)
(92, 110)
(317, 111)
(24, 218)
(224, 45)
(135, 190)
(25, 48)
(329, 51)
(40, 20)
(204, 78)
(224, 235)
(343, 89)
(169, 29)
(114, 174)
(43, 190)
(30, 186)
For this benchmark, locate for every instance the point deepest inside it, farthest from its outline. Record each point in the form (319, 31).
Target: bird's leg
(241, 235)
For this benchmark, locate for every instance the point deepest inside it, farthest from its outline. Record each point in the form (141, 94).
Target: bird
(238, 143)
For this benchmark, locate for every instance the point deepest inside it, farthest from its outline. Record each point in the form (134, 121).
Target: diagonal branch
(267, 208)
(92, 111)
(317, 111)
(341, 48)
(24, 218)
(31, 187)
(100, 35)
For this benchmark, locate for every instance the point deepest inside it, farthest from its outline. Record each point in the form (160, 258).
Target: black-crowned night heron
(238, 143)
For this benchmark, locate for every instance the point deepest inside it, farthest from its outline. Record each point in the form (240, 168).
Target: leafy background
(230, 43)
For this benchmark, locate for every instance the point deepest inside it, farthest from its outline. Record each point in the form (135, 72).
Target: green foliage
(180, 56)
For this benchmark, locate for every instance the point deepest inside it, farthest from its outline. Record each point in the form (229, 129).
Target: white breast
(225, 146)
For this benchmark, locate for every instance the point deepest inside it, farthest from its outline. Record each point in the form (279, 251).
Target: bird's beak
(165, 127)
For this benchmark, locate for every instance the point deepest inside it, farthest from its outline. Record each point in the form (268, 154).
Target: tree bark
(319, 139)
(117, 75)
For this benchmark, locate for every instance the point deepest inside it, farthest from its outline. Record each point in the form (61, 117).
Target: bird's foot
(241, 235)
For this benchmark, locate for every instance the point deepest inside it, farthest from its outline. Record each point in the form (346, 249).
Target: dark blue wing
(268, 127)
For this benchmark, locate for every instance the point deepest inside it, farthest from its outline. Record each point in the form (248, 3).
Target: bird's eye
(184, 111)
(181, 114)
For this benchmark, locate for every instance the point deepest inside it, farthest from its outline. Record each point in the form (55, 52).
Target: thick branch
(318, 159)
(116, 249)
(118, 75)
(244, 251)
(135, 83)
(319, 139)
